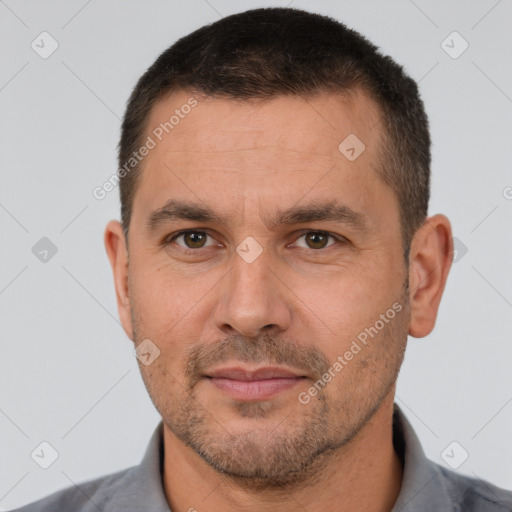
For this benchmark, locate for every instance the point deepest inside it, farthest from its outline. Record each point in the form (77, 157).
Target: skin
(299, 305)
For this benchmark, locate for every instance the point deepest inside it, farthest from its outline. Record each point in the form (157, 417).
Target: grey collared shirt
(426, 486)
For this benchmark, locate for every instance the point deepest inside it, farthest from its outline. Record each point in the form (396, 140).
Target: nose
(253, 300)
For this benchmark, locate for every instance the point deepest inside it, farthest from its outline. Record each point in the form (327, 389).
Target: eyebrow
(180, 210)
(313, 212)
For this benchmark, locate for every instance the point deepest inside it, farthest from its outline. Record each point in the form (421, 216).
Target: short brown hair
(265, 53)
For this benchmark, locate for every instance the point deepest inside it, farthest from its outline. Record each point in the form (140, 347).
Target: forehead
(314, 124)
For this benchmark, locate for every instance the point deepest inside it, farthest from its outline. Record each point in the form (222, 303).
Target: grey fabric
(426, 486)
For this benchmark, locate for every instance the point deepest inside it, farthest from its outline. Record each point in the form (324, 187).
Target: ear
(117, 252)
(429, 263)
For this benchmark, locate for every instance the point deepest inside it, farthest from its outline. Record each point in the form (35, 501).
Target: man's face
(300, 256)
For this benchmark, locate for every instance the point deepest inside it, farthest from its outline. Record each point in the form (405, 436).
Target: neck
(364, 475)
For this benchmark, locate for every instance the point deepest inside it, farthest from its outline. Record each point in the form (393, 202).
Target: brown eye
(316, 240)
(194, 239)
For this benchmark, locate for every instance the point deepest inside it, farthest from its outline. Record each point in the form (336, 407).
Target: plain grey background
(67, 372)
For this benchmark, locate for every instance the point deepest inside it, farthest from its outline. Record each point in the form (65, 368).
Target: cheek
(161, 299)
(344, 303)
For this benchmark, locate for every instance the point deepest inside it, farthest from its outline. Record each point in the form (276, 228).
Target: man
(273, 255)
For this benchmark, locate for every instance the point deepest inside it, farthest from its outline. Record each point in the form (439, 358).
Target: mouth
(253, 384)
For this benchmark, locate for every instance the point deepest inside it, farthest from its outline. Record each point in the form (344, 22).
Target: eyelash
(171, 238)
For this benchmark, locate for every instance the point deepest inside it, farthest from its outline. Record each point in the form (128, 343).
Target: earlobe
(430, 261)
(115, 245)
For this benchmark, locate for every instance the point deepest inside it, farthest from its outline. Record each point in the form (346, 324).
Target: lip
(246, 374)
(253, 384)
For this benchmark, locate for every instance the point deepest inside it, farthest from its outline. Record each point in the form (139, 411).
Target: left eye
(316, 240)
(193, 239)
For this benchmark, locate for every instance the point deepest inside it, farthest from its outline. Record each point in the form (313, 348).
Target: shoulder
(90, 496)
(474, 494)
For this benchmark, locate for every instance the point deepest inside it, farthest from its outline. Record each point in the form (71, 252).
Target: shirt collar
(423, 485)
(422, 488)
(142, 486)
